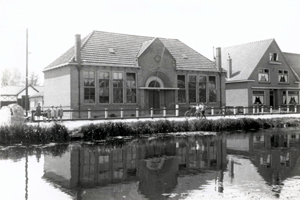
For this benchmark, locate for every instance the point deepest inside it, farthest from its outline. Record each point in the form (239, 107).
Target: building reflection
(149, 169)
(274, 153)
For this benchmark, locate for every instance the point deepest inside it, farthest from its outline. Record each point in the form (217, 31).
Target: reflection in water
(264, 164)
(154, 164)
(274, 153)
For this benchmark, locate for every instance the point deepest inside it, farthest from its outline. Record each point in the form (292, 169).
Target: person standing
(38, 112)
(48, 115)
(53, 113)
(60, 113)
(202, 110)
(197, 112)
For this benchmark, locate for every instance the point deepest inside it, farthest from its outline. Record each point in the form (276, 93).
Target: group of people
(51, 114)
(200, 110)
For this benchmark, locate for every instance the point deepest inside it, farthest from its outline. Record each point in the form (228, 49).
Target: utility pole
(26, 98)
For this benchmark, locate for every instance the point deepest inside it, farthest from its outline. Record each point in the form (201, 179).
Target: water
(261, 165)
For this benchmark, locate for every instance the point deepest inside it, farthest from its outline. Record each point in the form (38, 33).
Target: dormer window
(273, 57)
(263, 75)
(111, 50)
(184, 56)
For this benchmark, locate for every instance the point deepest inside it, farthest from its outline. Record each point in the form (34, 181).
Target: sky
(201, 24)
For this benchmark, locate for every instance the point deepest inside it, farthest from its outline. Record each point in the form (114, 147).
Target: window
(293, 97)
(103, 87)
(192, 88)
(130, 88)
(273, 57)
(89, 86)
(212, 89)
(202, 88)
(181, 86)
(258, 97)
(117, 87)
(263, 75)
(283, 76)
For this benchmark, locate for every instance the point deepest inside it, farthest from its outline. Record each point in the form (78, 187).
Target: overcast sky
(201, 24)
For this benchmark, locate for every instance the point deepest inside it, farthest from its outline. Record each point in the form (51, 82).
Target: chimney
(229, 66)
(78, 48)
(218, 58)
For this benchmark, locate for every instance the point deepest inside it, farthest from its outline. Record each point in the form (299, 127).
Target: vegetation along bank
(34, 134)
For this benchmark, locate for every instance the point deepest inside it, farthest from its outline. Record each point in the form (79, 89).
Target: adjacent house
(113, 71)
(258, 74)
(17, 94)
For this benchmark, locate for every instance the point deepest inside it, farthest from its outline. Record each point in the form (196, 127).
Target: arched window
(154, 84)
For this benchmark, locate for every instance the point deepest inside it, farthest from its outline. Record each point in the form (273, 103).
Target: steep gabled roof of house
(17, 89)
(245, 58)
(107, 48)
(293, 60)
(11, 90)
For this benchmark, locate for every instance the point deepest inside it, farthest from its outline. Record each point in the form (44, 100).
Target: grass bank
(104, 130)
(30, 134)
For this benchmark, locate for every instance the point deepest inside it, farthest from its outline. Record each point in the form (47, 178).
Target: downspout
(78, 61)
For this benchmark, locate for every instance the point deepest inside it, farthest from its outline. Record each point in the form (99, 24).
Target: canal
(255, 165)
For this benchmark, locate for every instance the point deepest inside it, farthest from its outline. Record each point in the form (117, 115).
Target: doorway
(154, 97)
(272, 98)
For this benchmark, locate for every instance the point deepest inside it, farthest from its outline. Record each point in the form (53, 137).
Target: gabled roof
(95, 50)
(293, 60)
(245, 58)
(17, 89)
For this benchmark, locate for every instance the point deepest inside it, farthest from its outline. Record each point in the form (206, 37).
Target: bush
(27, 134)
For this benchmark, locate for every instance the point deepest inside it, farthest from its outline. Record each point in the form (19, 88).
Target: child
(60, 113)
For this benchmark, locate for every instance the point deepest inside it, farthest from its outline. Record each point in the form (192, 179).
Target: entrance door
(154, 98)
(154, 101)
(272, 98)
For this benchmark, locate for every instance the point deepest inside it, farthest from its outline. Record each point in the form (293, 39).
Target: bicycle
(188, 113)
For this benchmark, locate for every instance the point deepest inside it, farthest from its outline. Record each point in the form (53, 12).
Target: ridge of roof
(298, 54)
(245, 57)
(94, 49)
(248, 43)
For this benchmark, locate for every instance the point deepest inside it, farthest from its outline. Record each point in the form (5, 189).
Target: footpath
(71, 125)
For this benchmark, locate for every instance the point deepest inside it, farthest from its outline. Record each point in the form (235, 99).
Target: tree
(33, 79)
(11, 76)
(5, 77)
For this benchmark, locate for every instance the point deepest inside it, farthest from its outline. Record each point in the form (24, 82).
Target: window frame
(182, 89)
(259, 94)
(190, 75)
(208, 89)
(263, 73)
(205, 89)
(283, 74)
(109, 86)
(89, 87)
(125, 87)
(123, 93)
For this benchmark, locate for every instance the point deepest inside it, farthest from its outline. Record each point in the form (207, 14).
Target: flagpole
(26, 98)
